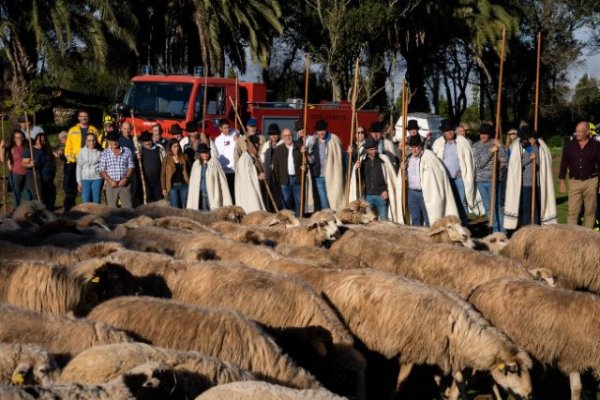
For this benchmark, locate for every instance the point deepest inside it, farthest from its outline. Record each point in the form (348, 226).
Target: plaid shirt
(116, 166)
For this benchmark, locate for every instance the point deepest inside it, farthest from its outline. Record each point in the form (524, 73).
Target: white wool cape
(216, 186)
(334, 175)
(247, 186)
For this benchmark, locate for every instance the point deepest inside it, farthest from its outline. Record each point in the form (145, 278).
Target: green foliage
(586, 98)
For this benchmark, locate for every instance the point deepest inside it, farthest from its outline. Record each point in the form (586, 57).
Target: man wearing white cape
(249, 176)
(430, 195)
(326, 164)
(457, 155)
(519, 182)
(379, 179)
(208, 187)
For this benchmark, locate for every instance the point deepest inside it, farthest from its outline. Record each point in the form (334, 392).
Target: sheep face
(151, 380)
(234, 214)
(545, 275)
(285, 218)
(513, 376)
(495, 242)
(33, 212)
(328, 231)
(39, 370)
(452, 232)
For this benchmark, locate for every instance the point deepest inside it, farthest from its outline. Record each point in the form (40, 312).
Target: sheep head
(494, 243)
(358, 212)
(328, 231)
(545, 275)
(234, 214)
(513, 376)
(449, 230)
(34, 213)
(35, 366)
(151, 380)
(285, 218)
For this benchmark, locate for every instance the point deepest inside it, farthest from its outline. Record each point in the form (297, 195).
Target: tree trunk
(415, 75)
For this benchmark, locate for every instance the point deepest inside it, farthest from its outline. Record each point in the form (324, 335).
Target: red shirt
(17, 155)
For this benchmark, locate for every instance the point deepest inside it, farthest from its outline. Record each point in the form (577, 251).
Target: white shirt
(291, 169)
(414, 177)
(225, 145)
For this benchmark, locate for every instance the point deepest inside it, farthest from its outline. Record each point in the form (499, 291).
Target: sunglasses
(363, 132)
(512, 134)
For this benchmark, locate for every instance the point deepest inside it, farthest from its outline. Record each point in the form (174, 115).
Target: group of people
(451, 176)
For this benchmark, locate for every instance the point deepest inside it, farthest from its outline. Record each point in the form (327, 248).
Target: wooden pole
(138, 150)
(236, 104)
(305, 129)
(261, 169)
(535, 124)
(403, 147)
(498, 128)
(35, 182)
(4, 166)
(352, 129)
(204, 100)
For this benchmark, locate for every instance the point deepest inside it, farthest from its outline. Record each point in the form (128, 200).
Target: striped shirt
(116, 166)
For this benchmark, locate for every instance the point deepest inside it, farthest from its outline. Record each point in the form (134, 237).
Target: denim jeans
(290, 194)
(485, 190)
(416, 208)
(378, 203)
(91, 189)
(525, 206)
(458, 188)
(178, 195)
(322, 191)
(19, 188)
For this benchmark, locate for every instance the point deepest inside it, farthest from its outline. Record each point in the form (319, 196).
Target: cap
(370, 143)
(251, 122)
(108, 119)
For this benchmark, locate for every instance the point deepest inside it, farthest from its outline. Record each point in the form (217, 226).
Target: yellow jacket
(74, 142)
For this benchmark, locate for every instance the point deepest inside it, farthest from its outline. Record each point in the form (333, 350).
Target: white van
(428, 123)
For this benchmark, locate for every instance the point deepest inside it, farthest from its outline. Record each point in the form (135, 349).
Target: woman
(208, 184)
(357, 150)
(174, 176)
(45, 169)
(89, 182)
(17, 177)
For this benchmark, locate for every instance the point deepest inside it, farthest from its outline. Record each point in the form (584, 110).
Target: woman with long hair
(174, 175)
(45, 168)
(89, 181)
(17, 178)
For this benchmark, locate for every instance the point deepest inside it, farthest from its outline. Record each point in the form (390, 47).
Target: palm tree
(52, 29)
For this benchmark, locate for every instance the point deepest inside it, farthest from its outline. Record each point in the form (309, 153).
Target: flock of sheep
(164, 303)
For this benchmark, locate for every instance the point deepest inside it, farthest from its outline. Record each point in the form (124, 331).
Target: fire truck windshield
(159, 99)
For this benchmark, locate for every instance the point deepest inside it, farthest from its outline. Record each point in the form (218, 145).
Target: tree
(586, 98)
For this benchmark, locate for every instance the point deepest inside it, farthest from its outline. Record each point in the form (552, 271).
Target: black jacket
(280, 162)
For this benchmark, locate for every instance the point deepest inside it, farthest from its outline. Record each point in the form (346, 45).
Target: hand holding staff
(535, 124)
(35, 182)
(139, 158)
(303, 176)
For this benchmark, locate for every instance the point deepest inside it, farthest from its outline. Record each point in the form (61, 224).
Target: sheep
(179, 224)
(162, 209)
(58, 255)
(494, 243)
(227, 335)
(26, 364)
(358, 212)
(60, 289)
(319, 256)
(63, 337)
(452, 267)
(558, 327)
(571, 252)
(264, 391)
(112, 215)
(100, 364)
(284, 218)
(32, 213)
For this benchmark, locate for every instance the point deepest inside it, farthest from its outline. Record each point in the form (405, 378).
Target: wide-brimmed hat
(191, 126)
(525, 133)
(370, 143)
(412, 125)
(447, 125)
(298, 125)
(376, 127)
(113, 136)
(203, 148)
(414, 141)
(321, 125)
(176, 129)
(274, 130)
(486, 129)
(146, 136)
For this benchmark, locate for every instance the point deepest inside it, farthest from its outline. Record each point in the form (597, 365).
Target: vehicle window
(215, 101)
(159, 99)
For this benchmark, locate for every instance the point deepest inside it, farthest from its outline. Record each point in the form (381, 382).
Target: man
(460, 131)
(157, 138)
(225, 146)
(430, 195)
(249, 178)
(326, 165)
(520, 181)
(581, 157)
(116, 167)
(191, 148)
(457, 156)
(384, 146)
(241, 141)
(379, 178)
(108, 124)
(267, 153)
(75, 141)
(151, 157)
(126, 138)
(177, 132)
(287, 169)
(483, 152)
(208, 188)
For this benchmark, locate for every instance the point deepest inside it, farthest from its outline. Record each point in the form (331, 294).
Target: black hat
(447, 125)
(412, 125)
(203, 148)
(414, 141)
(274, 130)
(321, 125)
(146, 136)
(376, 127)
(370, 143)
(486, 129)
(254, 139)
(299, 125)
(21, 119)
(525, 133)
(113, 136)
(191, 126)
(223, 121)
(176, 129)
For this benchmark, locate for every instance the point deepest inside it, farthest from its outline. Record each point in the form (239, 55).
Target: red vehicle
(166, 100)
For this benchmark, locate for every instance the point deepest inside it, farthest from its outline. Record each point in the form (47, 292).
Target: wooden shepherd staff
(35, 182)
(4, 167)
(235, 107)
(352, 130)
(204, 100)
(303, 170)
(138, 149)
(498, 132)
(535, 124)
(403, 147)
(261, 169)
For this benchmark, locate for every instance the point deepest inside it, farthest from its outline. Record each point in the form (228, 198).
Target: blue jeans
(91, 189)
(485, 190)
(458, 188)
(416, 208)
(19, 188)
(378, 203)
(178, 195)
(525, 206)
(290, 194)
(322, 191)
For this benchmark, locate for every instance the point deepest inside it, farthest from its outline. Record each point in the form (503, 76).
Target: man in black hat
(412, 127)
(249, 178)
(151, 158)
(177, 132)
(384, 146)
(483, 153)
(267, 153)
(116, 167)
(326, 164)
(287, 169)
(225, 145)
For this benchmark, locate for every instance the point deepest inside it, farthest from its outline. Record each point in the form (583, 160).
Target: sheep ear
(436, 231)
(312, 226)
(95, 279)
(273, 222)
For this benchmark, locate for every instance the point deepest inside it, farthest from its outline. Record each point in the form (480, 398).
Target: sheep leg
(403, 374)
(459, 382)
(575, 383)
(496, 391)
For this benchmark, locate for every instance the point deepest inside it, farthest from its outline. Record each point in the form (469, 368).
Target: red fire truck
(178, 99)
